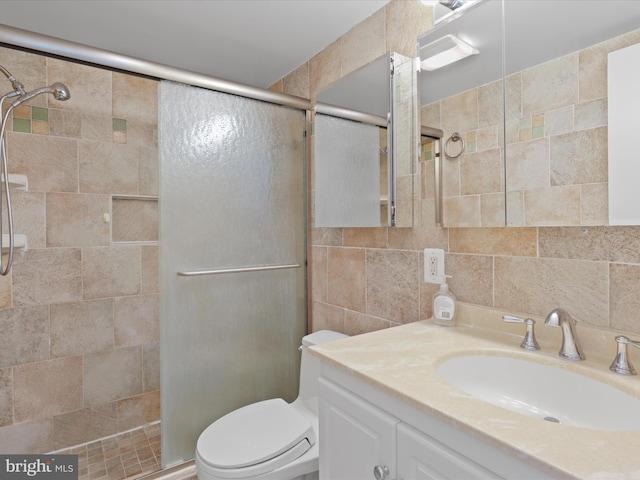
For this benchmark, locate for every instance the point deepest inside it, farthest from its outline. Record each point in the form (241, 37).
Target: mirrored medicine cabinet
(533, 110)
(366, 131)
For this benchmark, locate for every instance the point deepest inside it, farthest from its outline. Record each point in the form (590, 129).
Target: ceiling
(253, 42)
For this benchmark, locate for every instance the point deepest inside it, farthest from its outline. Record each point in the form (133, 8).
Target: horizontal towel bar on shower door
(195, 273)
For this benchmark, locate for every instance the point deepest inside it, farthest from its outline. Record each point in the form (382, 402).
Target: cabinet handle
(380, 472)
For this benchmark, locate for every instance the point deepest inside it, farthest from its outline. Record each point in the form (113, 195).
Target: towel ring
(455, 136)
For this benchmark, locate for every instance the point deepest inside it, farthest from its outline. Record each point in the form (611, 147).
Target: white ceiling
(253, 42)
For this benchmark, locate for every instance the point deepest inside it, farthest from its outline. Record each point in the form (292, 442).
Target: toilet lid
(254, 434)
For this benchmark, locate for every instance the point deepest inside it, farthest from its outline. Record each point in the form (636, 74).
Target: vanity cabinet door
(355, 436)
(421, 457)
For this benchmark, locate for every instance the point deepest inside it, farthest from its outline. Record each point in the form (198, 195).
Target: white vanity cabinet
(363, 428)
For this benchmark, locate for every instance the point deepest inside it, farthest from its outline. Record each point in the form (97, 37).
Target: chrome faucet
(529, 342)
(621, 363)
(570, 349)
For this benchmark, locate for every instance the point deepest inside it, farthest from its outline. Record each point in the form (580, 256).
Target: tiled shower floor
(123, 456)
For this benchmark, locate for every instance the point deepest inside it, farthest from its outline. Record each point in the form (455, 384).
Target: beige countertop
(402, 361)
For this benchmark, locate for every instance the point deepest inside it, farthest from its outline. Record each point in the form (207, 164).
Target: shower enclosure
(232, 257)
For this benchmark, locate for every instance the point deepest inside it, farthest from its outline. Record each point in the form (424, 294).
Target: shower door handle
(195, 273)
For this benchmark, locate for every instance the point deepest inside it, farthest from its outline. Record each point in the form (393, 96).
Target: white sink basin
(543, 391)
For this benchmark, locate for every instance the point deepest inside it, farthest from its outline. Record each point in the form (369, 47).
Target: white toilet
(271, 439)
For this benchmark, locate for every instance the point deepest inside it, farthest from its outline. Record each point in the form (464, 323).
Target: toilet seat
(255, 439)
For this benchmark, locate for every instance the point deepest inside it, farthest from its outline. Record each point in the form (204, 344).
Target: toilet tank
(310, 367)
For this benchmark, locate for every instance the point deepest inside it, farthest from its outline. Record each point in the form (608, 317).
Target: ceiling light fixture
(444, 51)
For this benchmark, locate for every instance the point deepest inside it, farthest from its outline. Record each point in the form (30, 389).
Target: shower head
(58, 90)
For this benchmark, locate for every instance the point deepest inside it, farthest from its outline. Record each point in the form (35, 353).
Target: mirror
(366, 131)
(466, 97)
(554, 135)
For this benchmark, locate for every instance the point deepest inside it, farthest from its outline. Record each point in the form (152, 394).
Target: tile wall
(368, 279)
(79, 355)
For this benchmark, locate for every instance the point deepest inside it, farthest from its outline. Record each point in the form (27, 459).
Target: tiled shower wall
(79, 355)
(367, 279)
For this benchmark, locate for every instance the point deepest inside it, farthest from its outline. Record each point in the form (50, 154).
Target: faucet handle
(529, 342)
(621, 363)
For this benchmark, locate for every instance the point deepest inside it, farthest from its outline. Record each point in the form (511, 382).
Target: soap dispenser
(444, 306)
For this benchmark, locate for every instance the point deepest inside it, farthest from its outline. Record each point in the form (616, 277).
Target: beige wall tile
(492, 208)
(481, 172)
(460, 113)
(51, 277)
(97, 128)
(327, 317)
(151, 367)
(111, 375)
(591, 114)
(47, 276)
(527, 165)
(319, 274)
(134, 220)
(84, 425)
(50, 163)
(82, 327)
(134, 98)
(515, 209)
(559, 121)
(613, 244)
(47, 388)
(513, 97)
(324, 68)
(6, 397)
(111, 272)
(90, 87)
(427, 290)
(406, 20)
(27, 438)
(28, 217)
(359, 323)
(536, 286)
(490, 104)
(450, 176)
(594, 204)
(551, 85)
(625, 297)
(141, 134)
(363, 43)
(64, 123)
(297, 82)
(138, 410)
(77, 220)
(541, 206)
(108, 168)
(579, 157)
(29, 68)
(462, 211)
(150, 270)
(346, 277)
(472, 278)
(393, 281)
(488, 138)
(136, 320)
(494, 241)
(366, 237)
(326, 236)
(593, 65)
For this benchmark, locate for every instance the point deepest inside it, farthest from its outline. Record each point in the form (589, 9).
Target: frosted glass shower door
(232, 195)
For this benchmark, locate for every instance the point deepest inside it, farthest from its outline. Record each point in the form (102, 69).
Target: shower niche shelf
(19, 242)
(17, 182)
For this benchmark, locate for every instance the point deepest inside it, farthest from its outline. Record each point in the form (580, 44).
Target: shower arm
(17, 86)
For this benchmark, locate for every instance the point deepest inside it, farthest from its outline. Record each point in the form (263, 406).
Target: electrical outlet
(434, 265)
